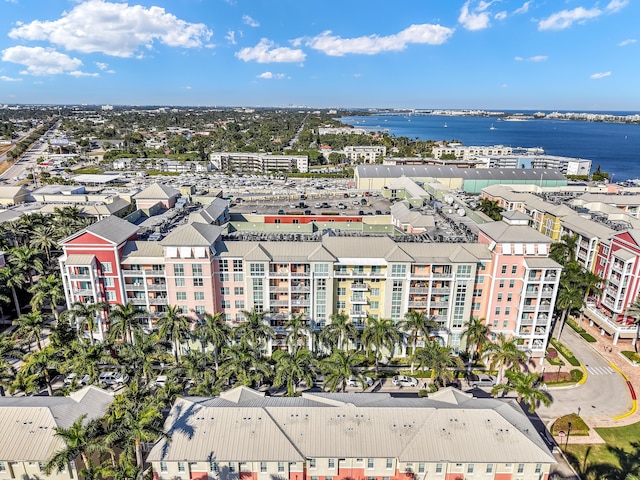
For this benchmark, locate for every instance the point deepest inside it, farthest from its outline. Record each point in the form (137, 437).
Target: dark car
(280, 212)
(360, 212)
(378, 212)
(307, 212)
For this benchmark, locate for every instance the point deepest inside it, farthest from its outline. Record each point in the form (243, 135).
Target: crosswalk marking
(600, 370)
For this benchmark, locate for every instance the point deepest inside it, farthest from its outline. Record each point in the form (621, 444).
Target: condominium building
(244, 434)
(506, 278)
(28, 426)
(259, 162)
(364, 154)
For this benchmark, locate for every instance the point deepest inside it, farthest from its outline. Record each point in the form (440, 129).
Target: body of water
(615, 147)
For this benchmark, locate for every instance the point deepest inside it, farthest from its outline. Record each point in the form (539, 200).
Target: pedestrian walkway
(617, 363)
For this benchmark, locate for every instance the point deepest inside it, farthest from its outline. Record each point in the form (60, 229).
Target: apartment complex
(506, 278)
(28, 426)
(243, 434)
(364, 154)
(259, 162)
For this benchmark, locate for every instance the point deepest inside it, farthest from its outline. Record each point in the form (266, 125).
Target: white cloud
(337, 46)
(4, 78)
(535, 58)
(524, 8)
(614, 6)
(247, 20)
(478, 19)
(565, 18)
(78, 74)
(115, 29)
(628, 41)
(265, 53)
(102, 65)
(41, 61)
(231, 37)
(596, 76)
(269, 75)
(500, 15)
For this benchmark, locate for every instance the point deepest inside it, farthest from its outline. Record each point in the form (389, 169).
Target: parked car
(69, 379)
(354, 381)
(360, 212)
(480, 380)
(112, 378)
(404, 381)
(318, 205)
(160, 381)
(378, 212)
(280, 212)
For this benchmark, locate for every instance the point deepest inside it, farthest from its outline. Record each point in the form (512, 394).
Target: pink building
(156, 194)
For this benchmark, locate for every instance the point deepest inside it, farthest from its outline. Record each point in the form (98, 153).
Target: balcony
(281, 272)
(442, 275)
(82, 291)
(358, 313)
(547, 292)
(418, 290)
(441, 290)
(360, 325)
(134, 286)
(359, 287)
(158, 301)
(301, 303)
(137, 301)
(440, 304)
(80, 276)
(156, 287)
(301, 288)
(302, 273)
(279, 303)
(550, 277)
(359, 300)
(279, 289)
(418, 303)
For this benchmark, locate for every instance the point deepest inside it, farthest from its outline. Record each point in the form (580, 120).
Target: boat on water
(445, 124)
(492, 127)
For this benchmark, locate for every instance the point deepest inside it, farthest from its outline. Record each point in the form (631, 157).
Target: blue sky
(500, 54)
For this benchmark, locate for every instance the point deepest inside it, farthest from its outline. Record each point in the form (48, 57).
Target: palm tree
(293, 367)
(524, 384)
(83, 438)
(338, 332)
(254, 331)
(633, 310)
(417, 324)
(49, 289)
(44, 237)
(145, 352)
(504, 354)
(490, 208)
(213, 330)
(29, 328)
(338, 368)
(242, 363)
(297, 330)
(8, 350)
(564, 251)
(174, 326)
(122, 318)
(83, 358)
(16, 231)
(440, 360)
(26, 259)
(476, 333)
(15, 279)
(569, 297)
(591, 283)
(85, 314)
(39, 364)
(380, 334)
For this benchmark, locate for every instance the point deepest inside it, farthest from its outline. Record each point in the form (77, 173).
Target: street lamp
(568, 435)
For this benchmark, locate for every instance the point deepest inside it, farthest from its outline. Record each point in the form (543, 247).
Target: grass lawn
(620, 437)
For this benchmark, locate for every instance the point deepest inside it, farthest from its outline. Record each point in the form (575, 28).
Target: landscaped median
(634, 401)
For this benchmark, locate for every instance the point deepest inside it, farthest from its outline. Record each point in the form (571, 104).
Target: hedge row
(566, 353)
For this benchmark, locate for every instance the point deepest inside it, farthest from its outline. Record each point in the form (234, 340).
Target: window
(238, 277)
(512, 283)
(178, 270)
(238, 290)
(510, 297)
(108, 281)
(3, 467)
(224, 291)
(225, 303)
(41, 466)
(470, 467)
(489, 468)
(514, 269)
(504, 269)
(507, 310)
(240, 317)
(497, 310)
(438, 468)
(312, 463)
(256, 269)
(421, 467)
(374, 305)
(198, 282)
(389, 464)
(200, 310)
(198, 296)
(181, 467)
(111, 296)
(321, 269)
(181, 296)
(499, 297)
(521, 468)
(369, 463)
(224, 277)
(179, 282)
(237, 265)
(505, 323)
(106, 267)
(239, 304)
(341, 305)
(232, 467)
(475, 306)
(464, 270)
(223, 265)
(280, 467)
(332, 463)
(538, 468)
(342, 291)
(501, 284)
(196, 268)
(398, 270)
(495, 323)
(163, 466)
(375, 292)
(263, 467)
(213, 466)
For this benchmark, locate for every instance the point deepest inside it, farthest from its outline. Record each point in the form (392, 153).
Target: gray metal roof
(112, 229)
(447, 426)
(80, 259)
(441, 171)
(193, 234)
(157, 192)
(503, 232)
(28, 423)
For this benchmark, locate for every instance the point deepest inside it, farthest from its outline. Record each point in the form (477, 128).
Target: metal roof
(446, 426)
(112, 229)
(80, 259)
(193, 234)
(440, 171)
(542, 262)
(157, 192)
(503, 232)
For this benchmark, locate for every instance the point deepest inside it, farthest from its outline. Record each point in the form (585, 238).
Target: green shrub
(423, 393)
(576, 374)
(633, 356)
(552, 353)
(572, 323)
(588, 337)
(566, 353)
(578, 427)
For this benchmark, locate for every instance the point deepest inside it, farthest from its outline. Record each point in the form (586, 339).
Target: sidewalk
(606, 349)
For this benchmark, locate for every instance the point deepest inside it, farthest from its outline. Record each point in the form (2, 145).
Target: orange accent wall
(199, 476)
(454, 476)
(503, 476)
(246, 476)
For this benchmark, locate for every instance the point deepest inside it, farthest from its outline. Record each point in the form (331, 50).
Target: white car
(354, 381)
(160, 381)
(404, 381)
(69, 379)
(112, 378)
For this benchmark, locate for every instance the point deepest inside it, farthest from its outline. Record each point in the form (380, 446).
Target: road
(603, 396)
(28, 161)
